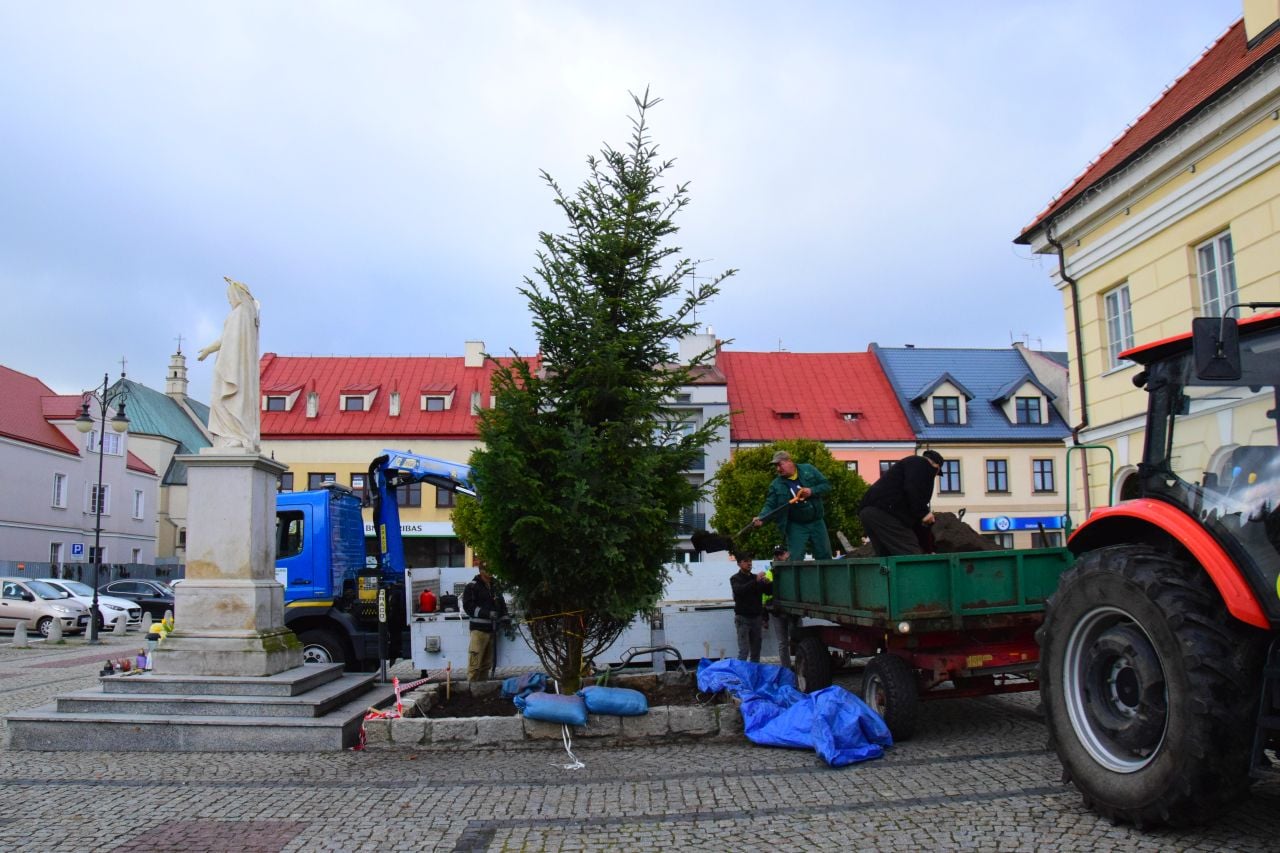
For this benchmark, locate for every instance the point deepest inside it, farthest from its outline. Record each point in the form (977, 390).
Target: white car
(111, 608)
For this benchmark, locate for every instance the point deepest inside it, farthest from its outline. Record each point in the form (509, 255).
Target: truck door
(295, 562)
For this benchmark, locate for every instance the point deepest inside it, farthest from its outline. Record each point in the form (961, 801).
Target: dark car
(155, 597)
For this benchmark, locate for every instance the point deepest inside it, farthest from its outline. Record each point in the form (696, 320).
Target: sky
(371, 170)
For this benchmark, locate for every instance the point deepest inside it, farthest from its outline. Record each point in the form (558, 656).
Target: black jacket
(905, 490)
(748, 592)
(484, 603)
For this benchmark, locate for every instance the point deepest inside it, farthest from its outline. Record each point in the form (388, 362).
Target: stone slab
(409, 731)
(491, 730)
(314, 703)
(693, 721)
(290, 682)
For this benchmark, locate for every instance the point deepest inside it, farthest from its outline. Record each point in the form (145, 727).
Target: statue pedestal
(229, 610)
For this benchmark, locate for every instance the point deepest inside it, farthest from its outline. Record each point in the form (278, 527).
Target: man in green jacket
(796, 495)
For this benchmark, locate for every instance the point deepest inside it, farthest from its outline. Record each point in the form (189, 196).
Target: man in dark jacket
(796, 496)
(749, 589)
(896, 507)
(482, 601)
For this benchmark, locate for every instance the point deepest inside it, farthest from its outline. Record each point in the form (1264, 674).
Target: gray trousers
(748, 637)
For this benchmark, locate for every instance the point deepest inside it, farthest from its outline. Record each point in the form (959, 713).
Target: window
(445, 498)
(353, 404)
(286, 482)
(1001, 540)
(851, 466)
(1119, 324)
(1028, 409)
(1042, 475)
(55, 554)
(97, 555)
(1217, 263)
(357, 485)
(182, 537)
(317, 481)
(99, 501)
(684, 399)
(60, 491)
(277, 404)
(139, 503)
(136, 556)
(997, 475)
(885, 465)
(289, 529)
(433, 404)
(1048, 539)
(946, 410)
(113, 443)
(410, 495)
(949, 477)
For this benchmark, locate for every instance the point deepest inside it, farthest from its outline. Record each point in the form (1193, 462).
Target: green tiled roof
(153, 413)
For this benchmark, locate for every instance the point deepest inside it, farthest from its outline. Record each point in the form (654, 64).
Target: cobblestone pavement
(976, 776)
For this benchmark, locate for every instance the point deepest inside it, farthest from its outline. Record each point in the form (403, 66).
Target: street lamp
(85, 423)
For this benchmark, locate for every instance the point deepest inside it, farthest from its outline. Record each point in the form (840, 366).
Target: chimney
(175, 383)
(473, 354)
(1260, 16)
(695, 345)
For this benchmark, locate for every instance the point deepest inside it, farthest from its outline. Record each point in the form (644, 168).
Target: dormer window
(946, 410)
(357, 398)
(434, 404)
(281, 398)
(849, 416)
(437, 398)
(1028, 410)
(787, 414)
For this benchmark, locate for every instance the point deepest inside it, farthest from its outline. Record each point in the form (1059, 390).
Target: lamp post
(85, 423)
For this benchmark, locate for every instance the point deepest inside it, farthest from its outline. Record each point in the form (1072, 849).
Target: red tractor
(1160, 659)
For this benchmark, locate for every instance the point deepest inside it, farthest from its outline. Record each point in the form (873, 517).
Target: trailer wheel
(1149, 687)
(321, 646)
(889, 687)
(813, 664)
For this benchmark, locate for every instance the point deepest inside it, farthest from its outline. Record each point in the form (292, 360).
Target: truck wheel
(321, 646)
(1149, 687)
(889, 687)
(813, 664)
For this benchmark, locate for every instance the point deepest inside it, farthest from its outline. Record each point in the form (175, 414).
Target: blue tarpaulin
(839, 726)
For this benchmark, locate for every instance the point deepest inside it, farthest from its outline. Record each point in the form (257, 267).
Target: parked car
(37, 604)
(154, 597)
(110, 609)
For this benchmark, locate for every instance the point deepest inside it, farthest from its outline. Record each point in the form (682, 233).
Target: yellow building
(1179, 218)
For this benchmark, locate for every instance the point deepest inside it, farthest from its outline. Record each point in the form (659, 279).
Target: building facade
(1179, 218)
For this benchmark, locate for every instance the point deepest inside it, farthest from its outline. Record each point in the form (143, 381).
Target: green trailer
(935, 626)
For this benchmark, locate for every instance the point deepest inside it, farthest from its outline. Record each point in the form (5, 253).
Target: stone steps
(147, 713)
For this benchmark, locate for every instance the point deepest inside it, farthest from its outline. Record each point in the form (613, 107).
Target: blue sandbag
(839, 726)
(523, 685)
(553, 708)
(617, 701)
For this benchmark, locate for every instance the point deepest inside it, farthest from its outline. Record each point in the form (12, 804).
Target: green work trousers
(799, 534)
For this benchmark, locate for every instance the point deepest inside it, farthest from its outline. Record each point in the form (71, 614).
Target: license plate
(83, 620)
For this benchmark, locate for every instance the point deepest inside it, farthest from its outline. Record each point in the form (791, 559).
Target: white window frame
(139, 503)
(59, 490)
(1218, 290)
(1118, 318)
(91, 490)
(113, 444)
(136, 556)
(56, 555)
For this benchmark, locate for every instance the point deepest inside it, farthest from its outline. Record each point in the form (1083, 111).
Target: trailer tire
(1149, 687)
(889, 687)
(813, 664)
(321, 646)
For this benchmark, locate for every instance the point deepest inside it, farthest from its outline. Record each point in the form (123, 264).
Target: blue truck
(332, 590)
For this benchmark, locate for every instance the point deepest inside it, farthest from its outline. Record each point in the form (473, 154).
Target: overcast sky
(370, 169)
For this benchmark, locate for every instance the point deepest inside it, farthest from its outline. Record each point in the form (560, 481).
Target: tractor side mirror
(1215, 346)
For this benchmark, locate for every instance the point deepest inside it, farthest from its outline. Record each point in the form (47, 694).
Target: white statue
(234, 416)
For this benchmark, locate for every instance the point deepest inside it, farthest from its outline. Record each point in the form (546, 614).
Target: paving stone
(409, 731)
(694, 721)
(496, 730)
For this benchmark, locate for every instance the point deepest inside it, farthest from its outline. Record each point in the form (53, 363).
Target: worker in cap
(781, 621)
(895, 511)
(794, 502)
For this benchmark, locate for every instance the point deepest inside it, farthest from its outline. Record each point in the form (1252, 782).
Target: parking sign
(77, 549)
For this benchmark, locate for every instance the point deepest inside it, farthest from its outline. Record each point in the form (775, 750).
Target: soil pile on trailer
(950, 536)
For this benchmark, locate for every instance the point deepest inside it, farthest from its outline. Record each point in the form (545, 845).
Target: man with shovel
(795, 503)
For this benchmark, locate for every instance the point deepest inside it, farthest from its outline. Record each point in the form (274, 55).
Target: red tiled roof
(821, 388)
(1225, 62)
(133, 463)
(27, 405)
(330, 376)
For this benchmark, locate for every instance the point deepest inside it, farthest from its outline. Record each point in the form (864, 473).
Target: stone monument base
(228, 653)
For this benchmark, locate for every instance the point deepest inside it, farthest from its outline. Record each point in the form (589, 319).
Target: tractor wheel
(813, 664)
(1149, 687)
(321, 646)
(889, 687)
